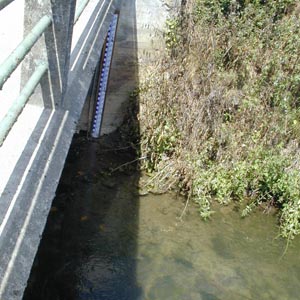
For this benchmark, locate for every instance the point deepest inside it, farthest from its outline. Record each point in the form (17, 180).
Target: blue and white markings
(97, 120)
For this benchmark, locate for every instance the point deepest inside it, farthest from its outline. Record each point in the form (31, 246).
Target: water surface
(105, 241)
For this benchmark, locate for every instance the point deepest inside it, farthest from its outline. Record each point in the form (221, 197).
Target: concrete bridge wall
(33, 154)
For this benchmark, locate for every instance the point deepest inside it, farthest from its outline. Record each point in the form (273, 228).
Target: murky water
(104, 241)
(227, 258)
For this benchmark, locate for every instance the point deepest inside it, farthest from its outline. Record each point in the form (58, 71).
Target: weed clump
(219, 113)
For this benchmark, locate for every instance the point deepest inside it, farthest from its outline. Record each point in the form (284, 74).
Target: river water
(103, 240)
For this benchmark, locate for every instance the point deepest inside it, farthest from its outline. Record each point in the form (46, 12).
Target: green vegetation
(219, 113)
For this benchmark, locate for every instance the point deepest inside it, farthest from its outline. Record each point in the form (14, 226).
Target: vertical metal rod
(18, 105)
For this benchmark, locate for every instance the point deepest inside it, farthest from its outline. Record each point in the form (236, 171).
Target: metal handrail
(80, 9)
(4, 3)
(16, 57)
(9, 65)
(19, 104)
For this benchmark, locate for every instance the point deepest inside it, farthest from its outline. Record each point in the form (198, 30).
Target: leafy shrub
(220, 112)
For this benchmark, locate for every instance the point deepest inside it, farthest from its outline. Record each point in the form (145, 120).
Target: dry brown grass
(219, 113)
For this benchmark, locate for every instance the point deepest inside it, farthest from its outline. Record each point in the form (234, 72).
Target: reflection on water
(104, 241)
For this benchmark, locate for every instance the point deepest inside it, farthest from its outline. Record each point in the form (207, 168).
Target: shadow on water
(89, 246)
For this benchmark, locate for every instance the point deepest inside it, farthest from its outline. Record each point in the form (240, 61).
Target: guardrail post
(33, 12)
(59, 49)
(54, 48)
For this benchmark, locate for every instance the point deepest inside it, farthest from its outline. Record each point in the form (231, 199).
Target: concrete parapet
(32, 156)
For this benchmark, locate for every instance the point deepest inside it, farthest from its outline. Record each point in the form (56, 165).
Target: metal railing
(79, 9)
(10, 64)
(15, 110)
(17, 56)
(4, 3)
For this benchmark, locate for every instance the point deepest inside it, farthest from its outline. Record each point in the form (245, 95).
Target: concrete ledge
(29, 196)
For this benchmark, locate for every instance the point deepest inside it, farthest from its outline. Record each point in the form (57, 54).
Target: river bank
(225, 97)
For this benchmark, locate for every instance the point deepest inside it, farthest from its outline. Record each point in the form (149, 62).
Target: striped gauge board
(104, 74)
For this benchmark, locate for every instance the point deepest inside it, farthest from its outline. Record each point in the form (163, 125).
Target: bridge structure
(65, 66)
